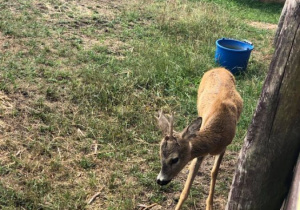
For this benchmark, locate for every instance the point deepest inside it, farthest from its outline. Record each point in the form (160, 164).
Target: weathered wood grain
(272, 144)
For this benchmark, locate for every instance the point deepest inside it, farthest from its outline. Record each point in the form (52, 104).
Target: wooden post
(280, 24)
(272, 144)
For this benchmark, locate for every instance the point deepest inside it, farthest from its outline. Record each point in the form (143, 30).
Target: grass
(80, 82)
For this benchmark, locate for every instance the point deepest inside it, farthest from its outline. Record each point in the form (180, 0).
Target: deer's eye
(174, 160)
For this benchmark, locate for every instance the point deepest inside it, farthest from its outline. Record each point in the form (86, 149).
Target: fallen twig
(94, 197)
(145, 207)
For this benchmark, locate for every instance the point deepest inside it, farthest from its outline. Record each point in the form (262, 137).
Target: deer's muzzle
(162, 180)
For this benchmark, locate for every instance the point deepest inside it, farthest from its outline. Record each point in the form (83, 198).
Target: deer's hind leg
(194, 167)
(214, 174)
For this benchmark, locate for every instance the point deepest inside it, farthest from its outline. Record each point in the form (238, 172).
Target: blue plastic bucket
(233, 54)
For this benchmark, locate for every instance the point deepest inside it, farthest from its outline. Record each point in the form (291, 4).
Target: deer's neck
(203, 143)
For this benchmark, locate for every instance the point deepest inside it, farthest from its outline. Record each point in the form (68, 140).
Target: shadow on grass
(271, 8)
(250, 9)
(268, 7)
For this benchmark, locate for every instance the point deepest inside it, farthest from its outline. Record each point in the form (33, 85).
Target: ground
(80, 82)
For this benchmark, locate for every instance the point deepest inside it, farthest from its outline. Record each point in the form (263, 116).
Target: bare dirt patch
(75, 17)
(9, 44)
(261, 25)
(202, 182)
(83, 8)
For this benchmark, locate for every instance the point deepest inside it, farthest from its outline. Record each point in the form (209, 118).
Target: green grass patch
(80, 83)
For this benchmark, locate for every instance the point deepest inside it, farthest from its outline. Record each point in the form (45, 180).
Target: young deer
(219, 107)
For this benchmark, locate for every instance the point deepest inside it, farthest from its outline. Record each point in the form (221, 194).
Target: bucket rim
(250, 48)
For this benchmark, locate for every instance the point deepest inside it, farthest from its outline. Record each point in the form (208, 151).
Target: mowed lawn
(81, 81)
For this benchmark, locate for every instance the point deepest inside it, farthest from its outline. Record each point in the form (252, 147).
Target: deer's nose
(162, 182)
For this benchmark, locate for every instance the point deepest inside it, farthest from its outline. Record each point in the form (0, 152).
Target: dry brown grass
(61, 141)
(54, 156)
(266, 26)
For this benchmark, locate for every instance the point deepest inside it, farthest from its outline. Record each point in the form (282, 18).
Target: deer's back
(219, 105)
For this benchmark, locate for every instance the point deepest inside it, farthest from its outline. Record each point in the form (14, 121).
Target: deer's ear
(192, 129)
(163, 123)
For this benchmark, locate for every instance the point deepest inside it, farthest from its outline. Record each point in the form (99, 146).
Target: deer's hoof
(209, 207)
(176, 197)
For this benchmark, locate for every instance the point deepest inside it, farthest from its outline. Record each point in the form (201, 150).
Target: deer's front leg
(214, 173)
(194, 167)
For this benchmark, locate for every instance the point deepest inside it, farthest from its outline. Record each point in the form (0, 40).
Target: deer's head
(175, 148)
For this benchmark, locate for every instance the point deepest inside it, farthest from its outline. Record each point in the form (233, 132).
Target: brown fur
(219, 107)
